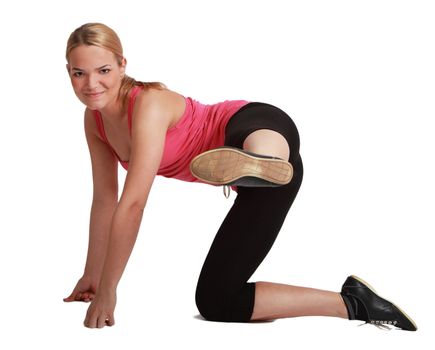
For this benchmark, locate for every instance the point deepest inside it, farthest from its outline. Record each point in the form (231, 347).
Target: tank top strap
(100, 126)
(133, 95)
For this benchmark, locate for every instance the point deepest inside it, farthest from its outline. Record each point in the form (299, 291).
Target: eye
(105, 71)
(77, 74)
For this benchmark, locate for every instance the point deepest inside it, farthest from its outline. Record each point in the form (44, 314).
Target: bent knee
(210, 307)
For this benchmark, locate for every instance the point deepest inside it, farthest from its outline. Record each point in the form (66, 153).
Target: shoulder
(90, 123)
(162, 99)
(154, 103)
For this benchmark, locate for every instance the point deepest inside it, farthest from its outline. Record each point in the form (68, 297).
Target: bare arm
(99, 229)
(105, 197)
(148, 141)
(104, 203)
(124, 230)
(149, 126)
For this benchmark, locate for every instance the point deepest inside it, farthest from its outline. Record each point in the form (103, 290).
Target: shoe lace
(380, 324)
(227, 191)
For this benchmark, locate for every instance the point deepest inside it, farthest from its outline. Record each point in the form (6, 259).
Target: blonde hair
(99, 34)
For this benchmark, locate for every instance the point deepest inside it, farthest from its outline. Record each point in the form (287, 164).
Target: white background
(357, 77)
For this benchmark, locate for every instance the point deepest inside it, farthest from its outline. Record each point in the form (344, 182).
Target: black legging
(251, 226)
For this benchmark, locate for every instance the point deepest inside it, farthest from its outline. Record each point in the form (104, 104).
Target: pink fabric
(201, 128)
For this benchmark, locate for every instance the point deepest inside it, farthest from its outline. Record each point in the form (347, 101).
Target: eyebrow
(106, 65)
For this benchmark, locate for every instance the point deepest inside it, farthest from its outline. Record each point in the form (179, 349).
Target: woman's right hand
(84, 290)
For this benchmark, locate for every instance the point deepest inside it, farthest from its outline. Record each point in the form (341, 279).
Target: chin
(93, 104)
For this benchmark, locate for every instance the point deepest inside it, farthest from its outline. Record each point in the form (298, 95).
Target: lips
(94, 94)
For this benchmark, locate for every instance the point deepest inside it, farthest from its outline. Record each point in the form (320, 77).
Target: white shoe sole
(222, 166)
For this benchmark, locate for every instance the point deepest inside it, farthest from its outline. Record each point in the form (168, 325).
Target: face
(95, 76)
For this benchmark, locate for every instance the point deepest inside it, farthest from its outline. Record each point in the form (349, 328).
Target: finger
(68, 299)
(90, 298)
(86, 321)
(90, 322)
(111, 321)
(91, 318)
(78, 296)
(102, 321)
(72, 296)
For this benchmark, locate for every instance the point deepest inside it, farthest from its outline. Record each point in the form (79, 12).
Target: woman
(251, 147)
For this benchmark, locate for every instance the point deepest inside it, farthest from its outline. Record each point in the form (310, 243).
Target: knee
(209, 305)
(220, 304)
(269, 142)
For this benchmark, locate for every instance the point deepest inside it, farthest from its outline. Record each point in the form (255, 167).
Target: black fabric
(251, 226)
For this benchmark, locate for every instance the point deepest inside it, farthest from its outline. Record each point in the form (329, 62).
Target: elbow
(134, 206)
(138, 206)
(133, 201)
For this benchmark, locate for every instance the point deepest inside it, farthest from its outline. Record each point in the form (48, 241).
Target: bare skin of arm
(100, 221)
(150, 123)
(104, 203)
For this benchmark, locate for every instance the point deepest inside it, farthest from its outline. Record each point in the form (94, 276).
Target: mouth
(94, 94)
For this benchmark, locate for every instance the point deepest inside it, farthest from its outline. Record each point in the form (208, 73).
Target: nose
(92, 81)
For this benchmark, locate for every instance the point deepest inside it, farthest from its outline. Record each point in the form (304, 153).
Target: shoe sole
(374, 291)
(221, 166)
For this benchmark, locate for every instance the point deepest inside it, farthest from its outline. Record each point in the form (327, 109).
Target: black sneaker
(363, 303)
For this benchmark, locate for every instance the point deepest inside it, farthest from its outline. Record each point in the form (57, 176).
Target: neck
(113, 111)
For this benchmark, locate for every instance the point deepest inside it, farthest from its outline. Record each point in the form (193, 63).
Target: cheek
(112, 82)
(76, 84)
(112, 85)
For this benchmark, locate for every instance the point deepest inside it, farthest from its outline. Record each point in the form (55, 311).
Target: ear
(67, 67)
(123, 66)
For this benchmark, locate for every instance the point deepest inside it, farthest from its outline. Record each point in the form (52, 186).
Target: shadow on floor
(199, 317)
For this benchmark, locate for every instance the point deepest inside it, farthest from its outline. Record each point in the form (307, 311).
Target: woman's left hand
(101, 311)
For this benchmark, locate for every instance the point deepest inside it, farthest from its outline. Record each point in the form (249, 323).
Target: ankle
(343, 310)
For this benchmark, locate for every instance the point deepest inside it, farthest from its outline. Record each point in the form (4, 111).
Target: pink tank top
(200, 128)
